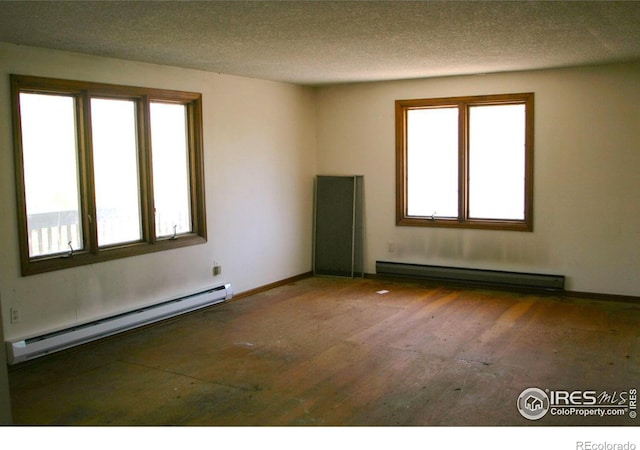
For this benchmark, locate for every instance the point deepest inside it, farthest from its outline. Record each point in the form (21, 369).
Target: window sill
(505, 225)
(80, 258)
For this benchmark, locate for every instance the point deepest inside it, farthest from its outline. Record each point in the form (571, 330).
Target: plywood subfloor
(326, 351)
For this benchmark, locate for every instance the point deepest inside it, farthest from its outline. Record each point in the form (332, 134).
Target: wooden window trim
(463, 104)
(83, 92)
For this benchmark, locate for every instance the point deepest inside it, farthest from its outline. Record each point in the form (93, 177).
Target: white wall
(259, 151)
(587, 174)
(5, 401)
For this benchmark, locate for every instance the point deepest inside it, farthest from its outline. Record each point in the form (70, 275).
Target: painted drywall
(259, 152)
(5, 399)
(586, 183)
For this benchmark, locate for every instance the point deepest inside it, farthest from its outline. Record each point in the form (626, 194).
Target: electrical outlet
(217, 269)
(14, 315)
(391, 247)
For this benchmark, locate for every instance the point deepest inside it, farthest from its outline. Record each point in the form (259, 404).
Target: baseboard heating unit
(33, 347)
(472, 276)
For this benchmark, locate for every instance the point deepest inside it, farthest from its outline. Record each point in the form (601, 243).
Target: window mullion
(463, 162)
(146, 171)
(86, 179)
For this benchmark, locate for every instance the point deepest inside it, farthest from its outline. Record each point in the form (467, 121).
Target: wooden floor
(326, 351)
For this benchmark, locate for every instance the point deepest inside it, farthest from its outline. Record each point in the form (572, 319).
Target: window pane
(170, 155)
(497, 162)
(115, 161)
(432, 162)
(49, 151)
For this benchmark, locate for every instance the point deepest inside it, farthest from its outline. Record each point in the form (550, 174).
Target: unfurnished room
(318, 214)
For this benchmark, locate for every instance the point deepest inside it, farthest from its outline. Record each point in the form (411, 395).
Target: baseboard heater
(471, 276)
(29, 348)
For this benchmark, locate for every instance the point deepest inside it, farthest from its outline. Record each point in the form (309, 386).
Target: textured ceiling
(322, 42)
